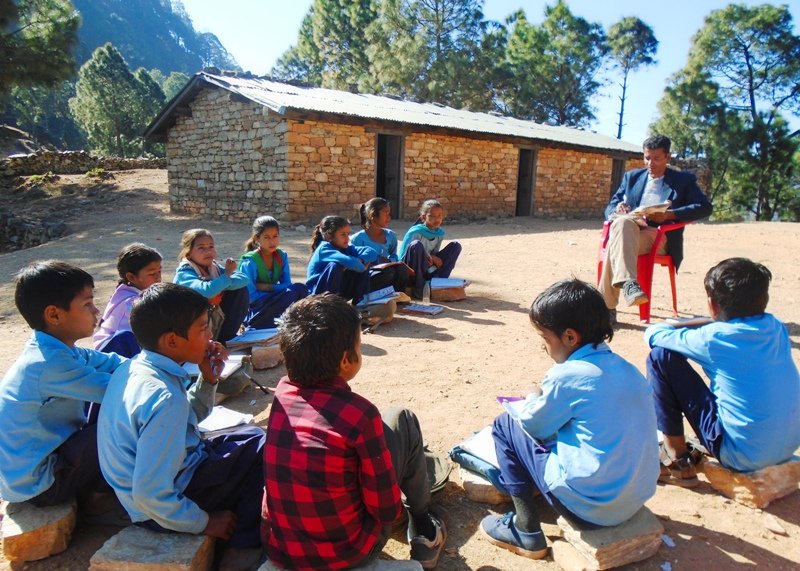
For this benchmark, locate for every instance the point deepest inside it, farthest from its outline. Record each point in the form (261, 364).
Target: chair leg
(674, 290)
(645, 277)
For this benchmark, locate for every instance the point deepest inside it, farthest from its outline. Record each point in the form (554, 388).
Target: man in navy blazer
(631, 235)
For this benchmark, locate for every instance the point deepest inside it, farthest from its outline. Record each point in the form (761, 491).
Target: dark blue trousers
(522, 461)
(231, 478)
(417, 259)
(395, 276)
(265, 310)
(678, 390)
(347, 284)
(234, 305)
(77, 470)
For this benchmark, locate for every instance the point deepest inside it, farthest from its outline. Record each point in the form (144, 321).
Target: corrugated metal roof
(281, 97)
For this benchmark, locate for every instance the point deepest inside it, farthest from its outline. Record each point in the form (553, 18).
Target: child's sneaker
(501, 531)
(677, 471)
(425, 551)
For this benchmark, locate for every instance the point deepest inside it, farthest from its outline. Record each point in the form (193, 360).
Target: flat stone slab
(30, 533)
(568, 558)
(448, 294)
(479, 489)
(266, 357)
(377, 565)
(609, 547)
(754, 489)
(138, 549)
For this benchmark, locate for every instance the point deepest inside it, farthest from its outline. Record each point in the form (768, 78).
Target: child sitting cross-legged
(588, 440)
(139, 267)
(165, 476)
(749, 417)
(48, 451)
(334, 466)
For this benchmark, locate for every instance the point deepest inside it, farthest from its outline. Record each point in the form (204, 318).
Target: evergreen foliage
(743, 73)
(36, 42)
(113, 105)
(633, 45)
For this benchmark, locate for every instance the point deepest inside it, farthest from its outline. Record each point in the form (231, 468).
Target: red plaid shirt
(330, 482)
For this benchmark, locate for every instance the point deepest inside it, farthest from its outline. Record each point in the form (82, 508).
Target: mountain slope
(150, 34)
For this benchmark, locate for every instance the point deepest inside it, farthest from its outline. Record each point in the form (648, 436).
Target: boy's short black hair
(315, 333)
(44, 283)
(740, 287)
(165, 308)
(573, 304)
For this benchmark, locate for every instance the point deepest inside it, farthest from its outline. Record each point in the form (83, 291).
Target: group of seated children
(337, 472)
(369, 261)
(588, 441)
(257, 289)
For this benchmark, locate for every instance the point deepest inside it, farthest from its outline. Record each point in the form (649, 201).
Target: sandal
(677, 471)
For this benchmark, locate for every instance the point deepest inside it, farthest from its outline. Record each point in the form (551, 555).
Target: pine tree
(111, 105)
(633, 45)
(555, 66)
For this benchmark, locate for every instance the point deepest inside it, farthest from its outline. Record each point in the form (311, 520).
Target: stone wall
(572, 184)
(228, 160)
(471, 178)
(234, 160)
(71, 162)
(331, 169)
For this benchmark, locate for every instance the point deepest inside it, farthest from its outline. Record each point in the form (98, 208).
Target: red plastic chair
(644, 266)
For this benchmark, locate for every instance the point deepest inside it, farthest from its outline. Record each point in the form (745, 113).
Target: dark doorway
(617, 170)
(388, 183)
(526, 182)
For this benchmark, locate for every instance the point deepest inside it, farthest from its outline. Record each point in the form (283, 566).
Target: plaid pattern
(330, 482)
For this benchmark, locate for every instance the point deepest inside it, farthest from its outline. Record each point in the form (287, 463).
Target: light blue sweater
(148, 441)
(186, 275)
(42, 401)
(756, 383)
(599, 410)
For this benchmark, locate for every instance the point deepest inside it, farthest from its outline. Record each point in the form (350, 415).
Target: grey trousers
(626, 242)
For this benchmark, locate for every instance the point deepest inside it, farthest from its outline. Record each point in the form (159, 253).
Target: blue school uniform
(326, 270)
(150, 450)
(267, 306)
(754, 381)
(386, 250)
(149, 443)
(596, 419)
(42, 404)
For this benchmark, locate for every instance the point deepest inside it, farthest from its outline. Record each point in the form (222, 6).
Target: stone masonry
(228, 160)
(234, 160)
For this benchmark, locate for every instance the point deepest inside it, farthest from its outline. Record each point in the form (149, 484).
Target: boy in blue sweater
(165, 476)
(588, 440)
(749, 417)
(48, 453)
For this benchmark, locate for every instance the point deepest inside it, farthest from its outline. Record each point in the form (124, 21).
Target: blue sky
(257, 32)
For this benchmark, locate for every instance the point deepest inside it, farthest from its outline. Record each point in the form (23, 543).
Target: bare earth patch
(449, 368)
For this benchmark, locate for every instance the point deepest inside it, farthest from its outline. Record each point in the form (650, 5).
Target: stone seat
(479, 489)
(377, 565)
(138, 549)
(30, 533)
(608, 547)
(448, 294)
(754, 489)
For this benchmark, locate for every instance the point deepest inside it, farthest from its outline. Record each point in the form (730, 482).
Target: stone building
(240, 146)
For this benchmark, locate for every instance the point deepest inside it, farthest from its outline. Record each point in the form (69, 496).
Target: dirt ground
(449, 368)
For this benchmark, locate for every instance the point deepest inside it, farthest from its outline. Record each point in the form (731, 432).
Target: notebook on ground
(420, 309)
(444, 283)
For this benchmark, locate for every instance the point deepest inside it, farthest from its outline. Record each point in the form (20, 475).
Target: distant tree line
(730, 106)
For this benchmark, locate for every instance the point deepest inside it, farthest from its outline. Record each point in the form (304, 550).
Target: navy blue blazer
(688, 202)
